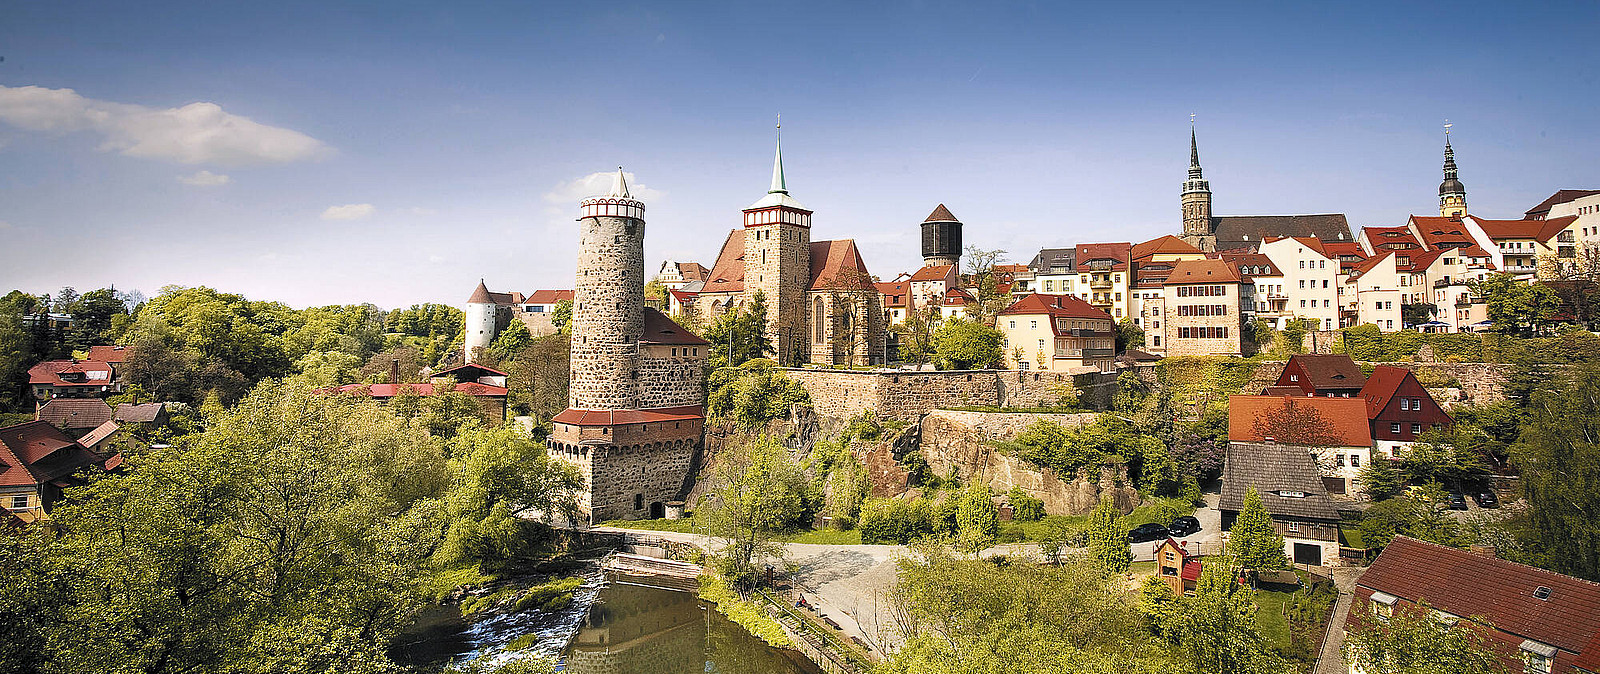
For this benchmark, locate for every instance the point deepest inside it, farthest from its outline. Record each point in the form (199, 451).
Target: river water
(611, 628)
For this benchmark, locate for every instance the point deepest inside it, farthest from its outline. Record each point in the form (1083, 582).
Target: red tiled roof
(577, 417)
(692, 271)
(957, 298)
(1381, 386)
(481, 295)
(1324, 371)
(1538, 230)
(727, 274)
(1283, 391)
(1202, 271)
(1118, 252)
(1192, 568)
(1560, 197)
(1338, 248)
(658, 329)
(49, 372)
(941, 214)
(1248, 260)
(36, 452)
(547, 296)
(1056, 306)
(895, 294)
(837, 265)
(1417, 260)
(1370, 263)
(145, 413)
(933, 273)
(1467, 584)
(1346, 417)
(74, 413)
(1165, 245)
(99, 434)
(108, 354)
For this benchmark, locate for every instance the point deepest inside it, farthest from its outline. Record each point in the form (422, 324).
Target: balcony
(1100, 284)
(1081, 332)
(1099, 353)
(1521, 268)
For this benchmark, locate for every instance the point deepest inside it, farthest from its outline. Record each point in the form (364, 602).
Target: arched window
(819, 319)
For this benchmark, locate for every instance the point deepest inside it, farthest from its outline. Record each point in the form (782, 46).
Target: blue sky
(396, 152)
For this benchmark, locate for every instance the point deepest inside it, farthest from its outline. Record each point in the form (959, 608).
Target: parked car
(1145, 533)
(1487, 499)
(1457, 501)
(1183, 526)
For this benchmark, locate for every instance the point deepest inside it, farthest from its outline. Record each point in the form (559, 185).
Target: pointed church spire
(1194, 153)
(779, 186)
(1452, 194)
(619, 186)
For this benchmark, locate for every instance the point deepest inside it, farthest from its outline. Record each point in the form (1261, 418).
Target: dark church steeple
(1452, 194)
(1196, 199)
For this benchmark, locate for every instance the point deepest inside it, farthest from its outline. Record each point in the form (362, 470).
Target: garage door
(1306, 553)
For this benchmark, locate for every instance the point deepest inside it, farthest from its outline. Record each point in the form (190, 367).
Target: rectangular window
(1013, 325)
(1416, 428)
(18, 502)
(1355, 460)
(1294, 527)
(1338, 461)
(1394, 429)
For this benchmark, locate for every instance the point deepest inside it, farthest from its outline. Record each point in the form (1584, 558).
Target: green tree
(1413, 641)
(1515, 308)
(1108, 540)
(510, 341)
(1560, 462)
(1217, 628)
(739, 335)
(964, 345)
(1423, 514)
(757, 493)
(976, 519)
(501, 479)
(752, 394)
(1024, 507)
(981, 277)
(1381, 479)
(1254, 542)
(561, 316)
(1129, 336)
(916, 335)
(17, 351)
(93, 316)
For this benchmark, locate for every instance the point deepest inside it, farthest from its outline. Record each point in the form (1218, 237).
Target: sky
(397, 152)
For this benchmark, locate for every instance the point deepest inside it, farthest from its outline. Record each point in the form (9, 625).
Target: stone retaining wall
(963, 441)
(908, 395)
(1449, 383)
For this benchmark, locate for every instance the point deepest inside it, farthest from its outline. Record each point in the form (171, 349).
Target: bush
(896, 521)
(1024, 508)
(752, 394)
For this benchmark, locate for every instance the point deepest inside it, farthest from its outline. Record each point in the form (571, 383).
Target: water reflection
(633, 629)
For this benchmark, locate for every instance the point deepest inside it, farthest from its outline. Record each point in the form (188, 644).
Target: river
(613, 628)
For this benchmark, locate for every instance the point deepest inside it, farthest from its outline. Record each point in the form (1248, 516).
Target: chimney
(1482, 549)
(394, 371)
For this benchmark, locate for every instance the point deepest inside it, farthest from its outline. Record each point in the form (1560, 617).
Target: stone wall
(648, 461)
(909, 395)
(666, 380)
(963, 441)
(1449, 383)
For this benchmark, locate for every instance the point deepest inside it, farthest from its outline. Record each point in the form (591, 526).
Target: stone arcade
(635, 417)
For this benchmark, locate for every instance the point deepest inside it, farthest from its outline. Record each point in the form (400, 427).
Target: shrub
(1024, 508)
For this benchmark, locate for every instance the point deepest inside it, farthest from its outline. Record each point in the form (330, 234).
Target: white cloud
(348, 212)
(569, 193)
(205, 179)
(197, 133)
(418, 210)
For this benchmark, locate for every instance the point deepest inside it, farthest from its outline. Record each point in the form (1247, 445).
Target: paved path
(1331, 660)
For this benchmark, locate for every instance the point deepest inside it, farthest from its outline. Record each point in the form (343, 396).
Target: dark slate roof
(1328, 370)
(1049, 257)
(1467, 584)
(1560, 197)
(1272, 469)
(145, 413)
(1248, 231)
(658, 329)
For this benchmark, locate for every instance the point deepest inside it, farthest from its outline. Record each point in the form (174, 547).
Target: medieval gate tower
(635, 415)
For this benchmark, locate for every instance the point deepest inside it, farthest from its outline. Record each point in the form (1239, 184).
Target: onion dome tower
(1196, 199)
(1452, 194)
(479, 323)
(941, 239)
(608, 301)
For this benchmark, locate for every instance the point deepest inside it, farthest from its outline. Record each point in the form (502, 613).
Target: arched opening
(658, 510)
(819, 319)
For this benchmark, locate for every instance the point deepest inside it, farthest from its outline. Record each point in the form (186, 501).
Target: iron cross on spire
(1447, 126)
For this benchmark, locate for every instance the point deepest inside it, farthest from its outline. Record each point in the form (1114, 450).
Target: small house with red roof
(929, 284)
(74, 416)
(1538, 620)
(1105, 276)
(897, 301)
(1331, 375)
(1177, 567)
(958, 303)
(37, 462)
(72, 378)
(1334, 429)
(1399, 409)
(1057, 333)
(1370, 293)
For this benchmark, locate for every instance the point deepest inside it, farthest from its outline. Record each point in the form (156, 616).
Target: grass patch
(445, 582)
(1352, 537)
(1047, 528)
(549, 597)
(1269, 616)
(682, 526)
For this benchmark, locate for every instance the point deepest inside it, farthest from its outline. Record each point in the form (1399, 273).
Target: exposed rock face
(908, 395)
(962, 440)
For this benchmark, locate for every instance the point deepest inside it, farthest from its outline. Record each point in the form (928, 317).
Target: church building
(822, 305)
(1212, 233)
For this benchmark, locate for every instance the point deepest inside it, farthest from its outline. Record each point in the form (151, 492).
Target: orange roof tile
(1056, 306)
(1346, 417)
(1202, 271)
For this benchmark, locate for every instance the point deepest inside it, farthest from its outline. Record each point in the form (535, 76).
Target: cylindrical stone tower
(608, 301)
(479, 320)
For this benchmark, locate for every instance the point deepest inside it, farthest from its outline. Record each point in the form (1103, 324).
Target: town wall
(648, 460)
(963, 442)
(909, 395)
